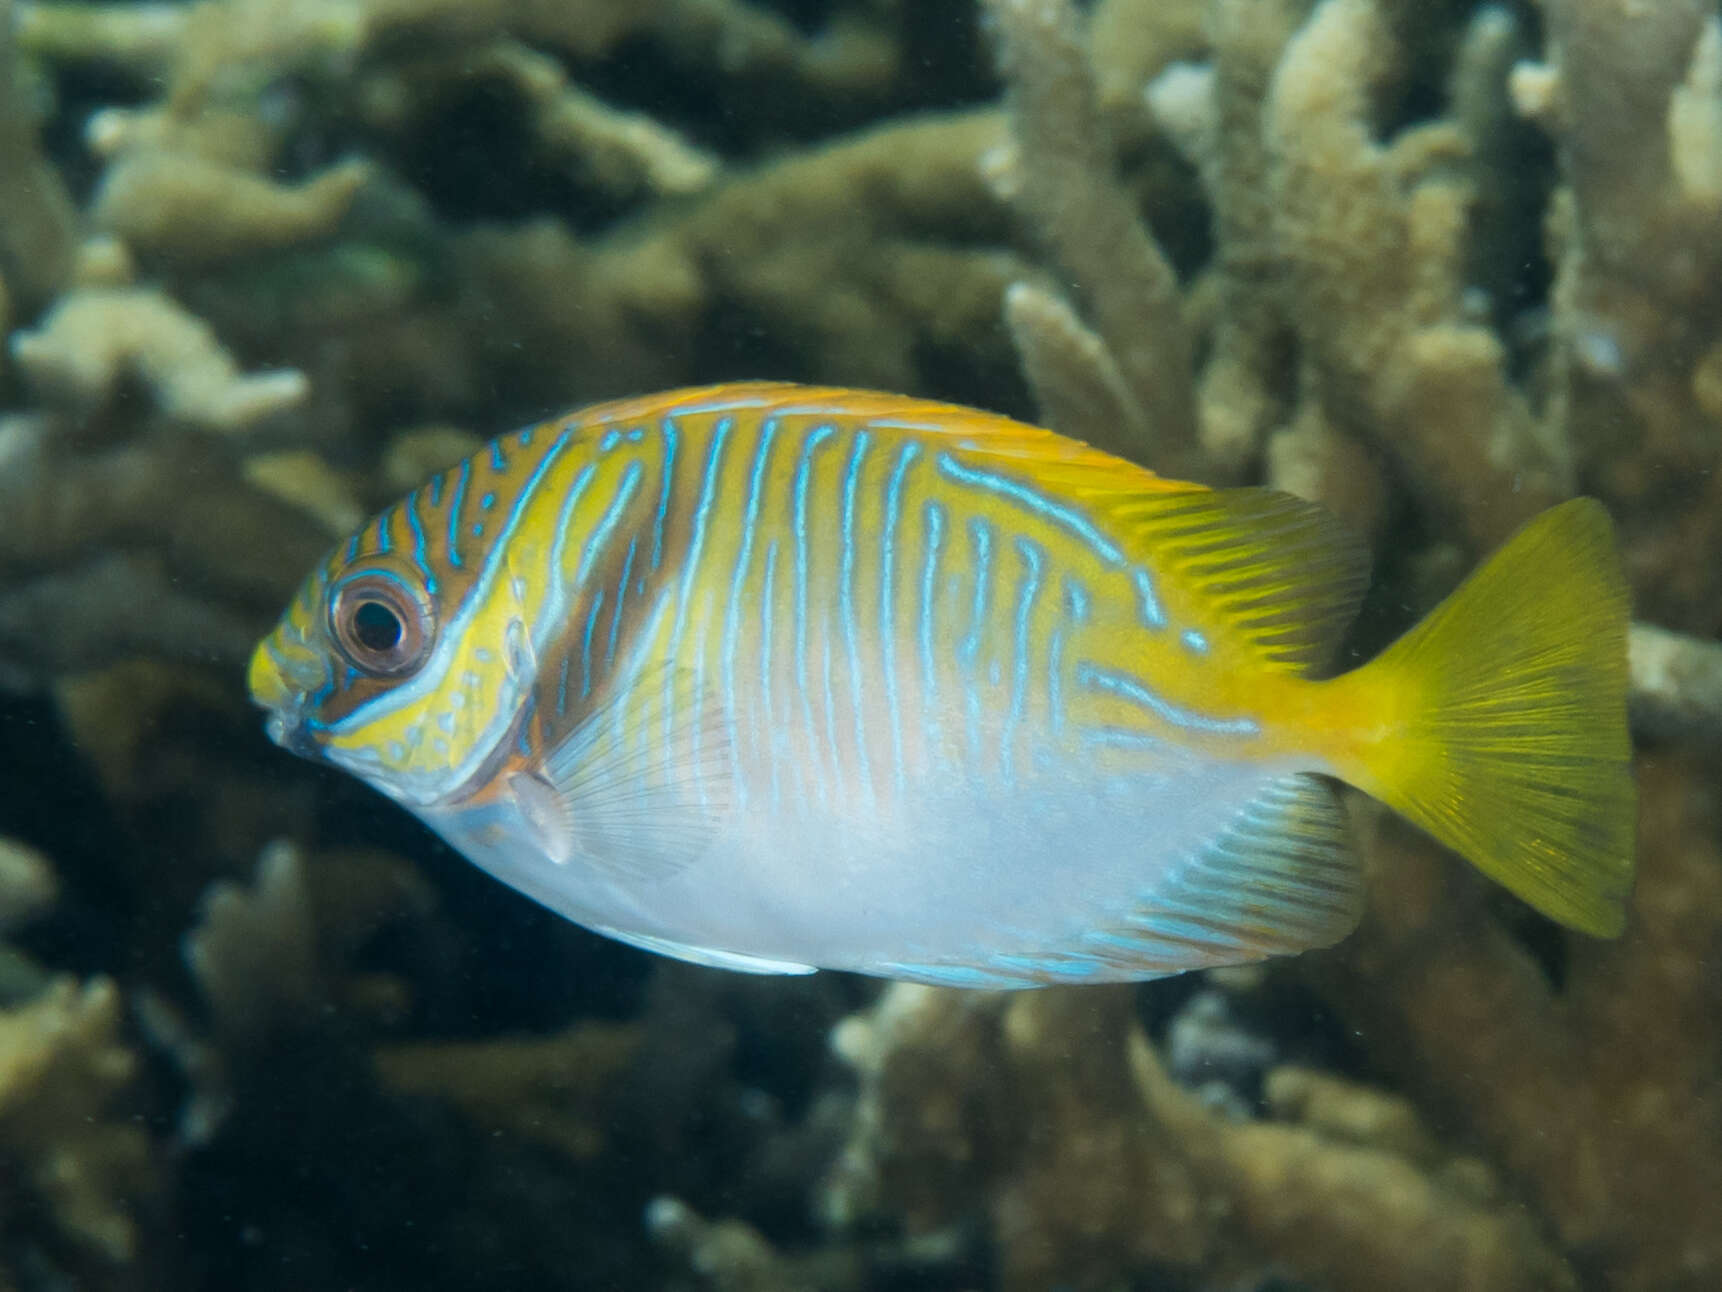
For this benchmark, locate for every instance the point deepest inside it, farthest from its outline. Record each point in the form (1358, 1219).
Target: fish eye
(376, 627)
(380, 625)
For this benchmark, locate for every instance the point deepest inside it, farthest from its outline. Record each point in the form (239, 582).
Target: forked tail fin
(1507, 739)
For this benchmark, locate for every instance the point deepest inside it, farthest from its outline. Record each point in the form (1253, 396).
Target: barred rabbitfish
(778, 678)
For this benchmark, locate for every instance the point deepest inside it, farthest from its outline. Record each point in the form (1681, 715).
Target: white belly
(953, 875)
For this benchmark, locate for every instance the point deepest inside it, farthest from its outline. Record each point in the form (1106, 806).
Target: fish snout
(287, 727)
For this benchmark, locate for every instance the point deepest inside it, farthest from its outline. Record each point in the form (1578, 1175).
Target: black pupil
(377, 627)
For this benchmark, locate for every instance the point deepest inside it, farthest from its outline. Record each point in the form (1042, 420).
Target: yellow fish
(778, 678)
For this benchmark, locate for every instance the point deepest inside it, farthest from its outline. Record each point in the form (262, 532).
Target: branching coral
(731, 1256)
(273, 964)
(1676, 686)
(553, 1090)
(1059, 174)
(183, 207)
(1372, 243)
(37, 219)
(1243, 385)
(1339, 259)
(1633, 96)
(68, 1151)
(96, 338)
(62, 1066)
(1052, 1112)
(27, 884)
(112, 555)
(101, 535)
(879, 222)
(624, 154)
(254, 952)
(1602, 1096)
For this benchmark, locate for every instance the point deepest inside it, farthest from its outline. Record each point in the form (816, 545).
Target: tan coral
(232, 50)
(1244, 388)
(1676, 686)
(306, 481)
(62, 1066)
(415, 455)
(188, 209)
(254, 950)
(552, 1090)
(1091, 1162)
(1636, 301)
(1311, 459)
(38, 223)
(1076, 383)
(733, 1256)
(1371, 240)
(96, 337)
(141, 37)
(1601, 1099)
(1133, 41)
(111, 554)
(1061, 178)
(879, 221)
(626, 155)
(28, 885)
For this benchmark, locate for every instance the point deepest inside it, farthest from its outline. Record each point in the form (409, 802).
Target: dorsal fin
(1285, 576)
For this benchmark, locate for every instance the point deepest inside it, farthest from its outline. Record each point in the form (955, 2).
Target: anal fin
(1279, 878)
(1282, 877)
(710, 957)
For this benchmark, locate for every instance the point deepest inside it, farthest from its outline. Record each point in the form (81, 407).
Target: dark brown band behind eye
(382, 627)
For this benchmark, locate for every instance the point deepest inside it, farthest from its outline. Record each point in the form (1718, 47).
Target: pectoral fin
(643, 784)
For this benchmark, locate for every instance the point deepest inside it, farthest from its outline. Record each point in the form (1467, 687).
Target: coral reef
(89, 1168)
(265, 264)
(1632, 99)
(1059, 174)
(1052, 1112)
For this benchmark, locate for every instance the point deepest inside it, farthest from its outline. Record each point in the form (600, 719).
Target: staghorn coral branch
(38, 223)
(141, 38)
(1619, 63)
(1092, 1162)
(1064, 184)
(85, 512)
(1373, 244)
(1676, 686)
(178, 206)
(1075, 381)
(1602, 1097)
(881, 222)
(95, 338)
(1244, 385)
(625, 151)
(63, 1064)
(1632, 95)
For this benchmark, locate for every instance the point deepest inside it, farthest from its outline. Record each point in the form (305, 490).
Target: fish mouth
(288, 729)
(277, 680)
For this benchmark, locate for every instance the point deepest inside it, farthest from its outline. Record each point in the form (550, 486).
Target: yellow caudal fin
(1504, 731)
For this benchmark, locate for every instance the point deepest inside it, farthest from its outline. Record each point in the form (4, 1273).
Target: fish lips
(288, 728)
